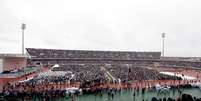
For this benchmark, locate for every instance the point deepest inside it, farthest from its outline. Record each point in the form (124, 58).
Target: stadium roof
(122, 51)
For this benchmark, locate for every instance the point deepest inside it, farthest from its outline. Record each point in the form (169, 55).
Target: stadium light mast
(163, 38)
(23, 27)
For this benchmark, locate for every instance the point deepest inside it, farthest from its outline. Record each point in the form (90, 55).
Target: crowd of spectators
(88, 75)
(129, 72)
(181, 64)
(27, 91)
(184, 97)
(50, 79)
(95, 71)
(85, 73)
(24, 92)
(84, 54)
(124, 72)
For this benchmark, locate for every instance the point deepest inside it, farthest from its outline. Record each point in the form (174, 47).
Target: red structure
(12, 62)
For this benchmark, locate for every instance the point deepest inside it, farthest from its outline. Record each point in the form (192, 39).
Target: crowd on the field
(85, 73)
(113, 72)
(24, 91)
(91, 75)
(130, 72)
(184, 97)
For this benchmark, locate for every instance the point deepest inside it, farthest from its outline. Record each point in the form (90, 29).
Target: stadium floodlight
(163, 37)
(23, 27)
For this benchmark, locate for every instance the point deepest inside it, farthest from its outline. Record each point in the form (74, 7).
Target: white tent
(184, 77)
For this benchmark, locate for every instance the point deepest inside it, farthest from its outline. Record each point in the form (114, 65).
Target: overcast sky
(127, 25)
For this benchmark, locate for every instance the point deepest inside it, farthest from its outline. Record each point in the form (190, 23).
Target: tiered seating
(83, 54)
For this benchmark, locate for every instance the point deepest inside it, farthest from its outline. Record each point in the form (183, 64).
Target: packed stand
(84, 54)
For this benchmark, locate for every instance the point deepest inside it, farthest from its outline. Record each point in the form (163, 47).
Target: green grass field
(127, 95)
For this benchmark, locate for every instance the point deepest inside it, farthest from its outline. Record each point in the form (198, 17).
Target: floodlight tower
(23, 27)
(163, 37)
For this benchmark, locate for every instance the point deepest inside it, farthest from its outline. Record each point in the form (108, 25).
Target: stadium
(73, 75)
(100, 50)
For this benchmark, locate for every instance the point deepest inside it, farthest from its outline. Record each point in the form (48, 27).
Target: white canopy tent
(184, 77)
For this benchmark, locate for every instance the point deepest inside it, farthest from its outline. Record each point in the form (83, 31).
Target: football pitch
(127, 95)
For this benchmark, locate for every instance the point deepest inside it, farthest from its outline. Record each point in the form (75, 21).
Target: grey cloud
(134, 25)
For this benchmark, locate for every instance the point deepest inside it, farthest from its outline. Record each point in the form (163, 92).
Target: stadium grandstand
(63, 57)
(99, 66)
(99, 72)
(54, 56)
